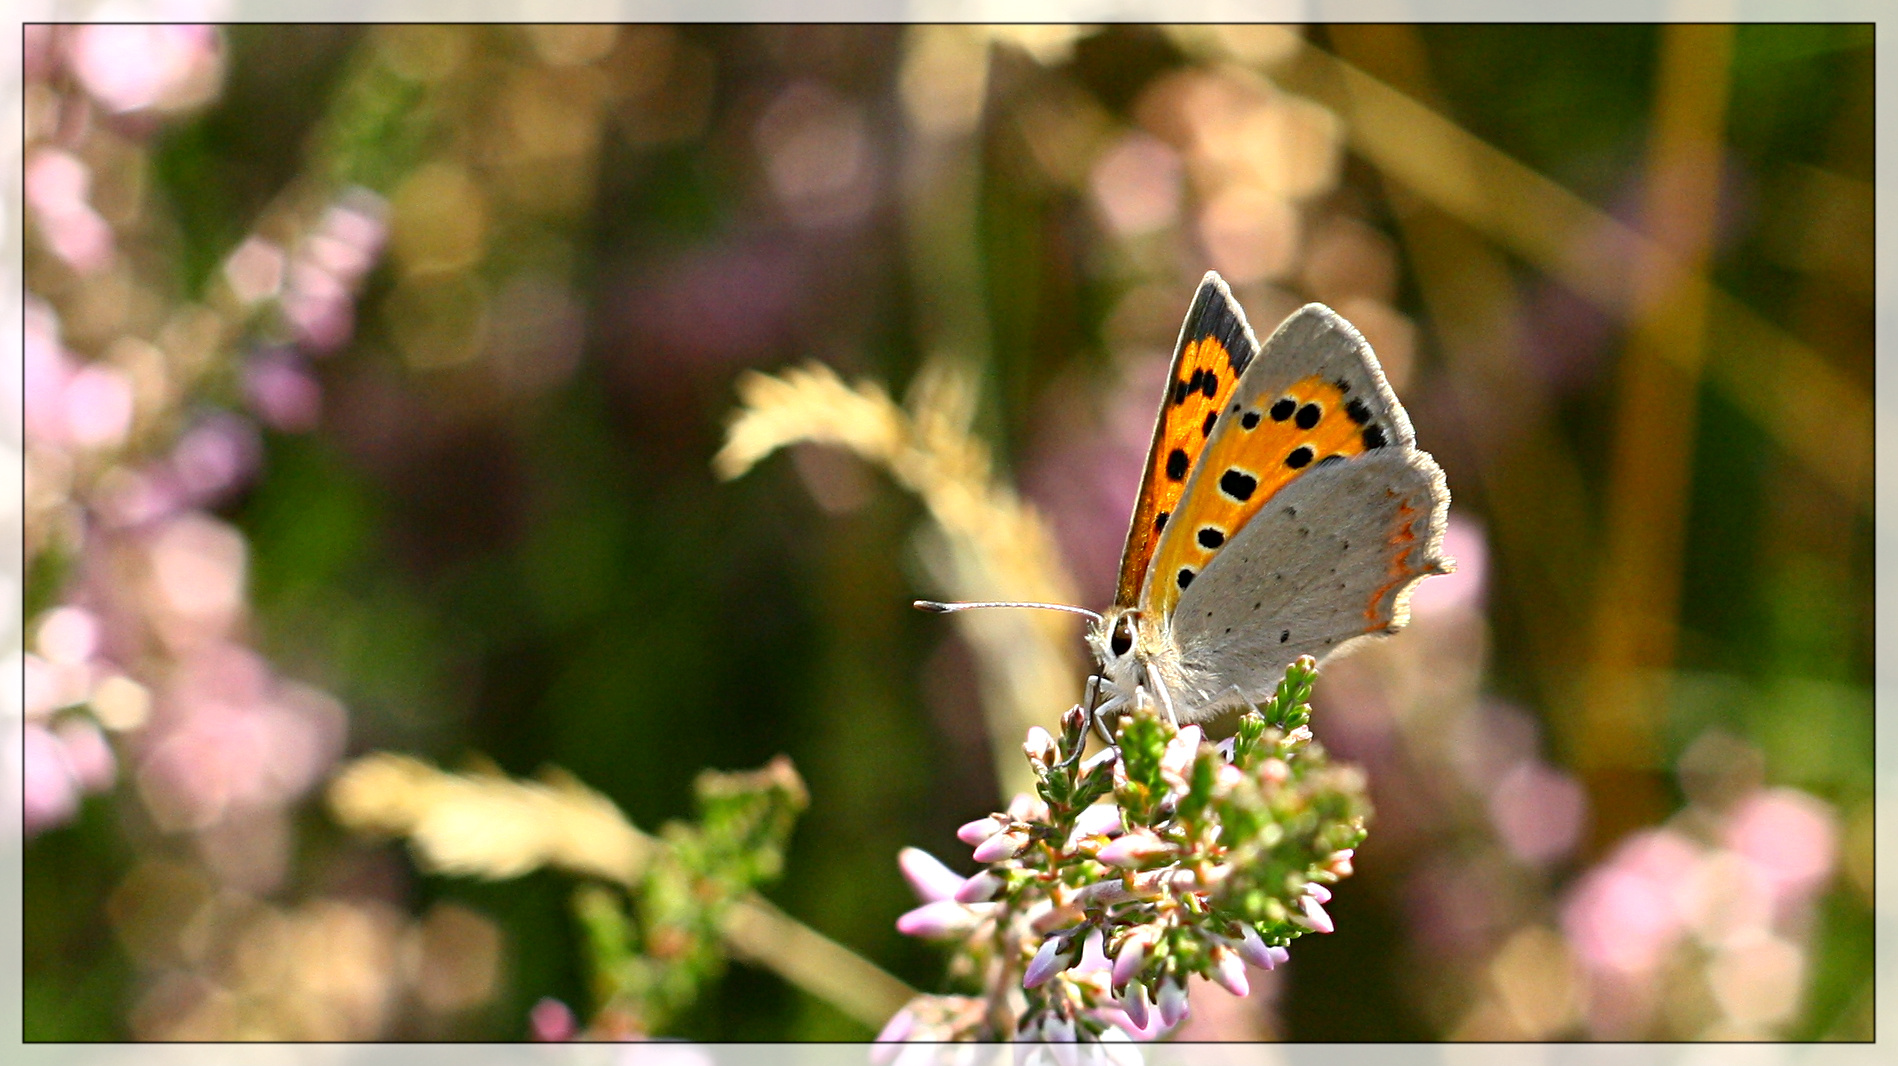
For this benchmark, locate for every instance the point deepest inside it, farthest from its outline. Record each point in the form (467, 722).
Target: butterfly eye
(1123, 639)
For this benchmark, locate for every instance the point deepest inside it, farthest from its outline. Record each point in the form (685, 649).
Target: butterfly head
(1116, 640)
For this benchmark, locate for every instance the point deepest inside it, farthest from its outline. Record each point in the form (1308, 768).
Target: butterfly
(1285, 510)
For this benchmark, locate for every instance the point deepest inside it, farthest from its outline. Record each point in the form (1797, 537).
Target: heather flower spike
(1126, 873)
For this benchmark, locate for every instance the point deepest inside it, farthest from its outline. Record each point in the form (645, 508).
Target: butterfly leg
(1166, 699)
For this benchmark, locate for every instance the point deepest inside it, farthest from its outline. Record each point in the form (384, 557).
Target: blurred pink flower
(1137, 184)
(552, 1021)
(57, 186)
(1463, 541)
(1790, 837)
(67, 636)
(927, 876)
(98, 404)
(49, 791)
(1622, 916)
(87, 753)
(216, 455)
(283, 392)
(235, 738)
(129, 66)
(1538, 812)
(320, 283)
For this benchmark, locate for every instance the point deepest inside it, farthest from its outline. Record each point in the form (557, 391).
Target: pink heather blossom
(1001, 846)
(897, 1028)
(1093, 957)
(1315, 916)
(939, 920)
(1180, 751)
(979, 889)
(927, 876)
(1102, 819)
(1056, 954)
(1318, 892)
(973, 833)
(1229, 970)
(1173, 1005)
(1253, 949)
(1137, 1006)
(1132, 955)
(1132, 848)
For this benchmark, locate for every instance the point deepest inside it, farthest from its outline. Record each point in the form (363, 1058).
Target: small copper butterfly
(1285, 510)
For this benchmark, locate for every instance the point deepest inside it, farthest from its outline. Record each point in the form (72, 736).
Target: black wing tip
(1216, 313)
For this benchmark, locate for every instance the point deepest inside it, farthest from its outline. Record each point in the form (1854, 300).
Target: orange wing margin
(1215, 347)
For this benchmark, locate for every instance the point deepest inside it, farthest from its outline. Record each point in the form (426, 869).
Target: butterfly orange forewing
(1214, 348)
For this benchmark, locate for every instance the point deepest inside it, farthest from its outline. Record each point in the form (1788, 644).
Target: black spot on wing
(1284, 408)
(1176, 464)
(1300, 457)
(1210, 537)
(1185, 576)
(1207, 429)
(1250, 420)
(1238, 484)
(1359, 411)
(1374, 437)
(1159, 520)
(1309, 415)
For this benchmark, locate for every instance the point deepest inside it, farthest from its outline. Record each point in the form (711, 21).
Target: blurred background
(372, 378)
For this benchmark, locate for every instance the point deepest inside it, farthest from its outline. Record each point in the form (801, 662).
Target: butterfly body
(1285, 511)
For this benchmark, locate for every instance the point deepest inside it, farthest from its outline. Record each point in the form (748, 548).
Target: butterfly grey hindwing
(1330, 560)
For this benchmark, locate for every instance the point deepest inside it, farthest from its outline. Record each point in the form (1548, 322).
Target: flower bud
(1039, 747)
(979, 889)
(1318, 892)
(1026, 807)
(1229, 970)
(1002, 846)
(1074, 721)
(1136, 1003)
(1340, 862)
(1133, 848)
(927, 876)
(1132, 956)
(1253, 948)
(1093, 958)
(981, 829)
(938, 920)
(1315, 916)
(897, 1028)
(1099, 820)
(1050, 960)
(1172, 1003)
(1274, 772)
(1180, 751)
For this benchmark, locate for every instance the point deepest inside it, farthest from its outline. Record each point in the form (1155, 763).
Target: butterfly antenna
(934, 607)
